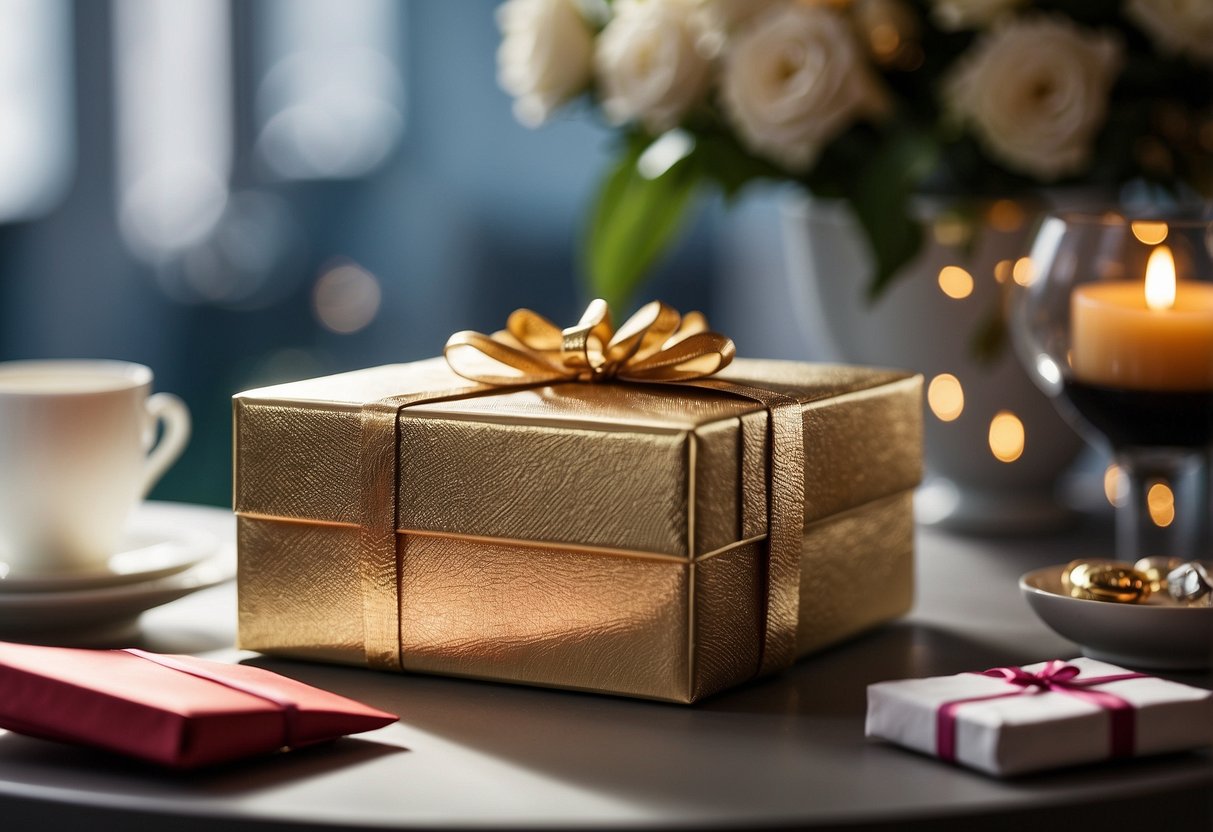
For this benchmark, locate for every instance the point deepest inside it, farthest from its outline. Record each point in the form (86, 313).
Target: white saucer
(148, 550)
(1155, 635)
(43, 614)
(99, 614)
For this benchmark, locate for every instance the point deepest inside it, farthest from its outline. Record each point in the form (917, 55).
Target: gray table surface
(787, 752)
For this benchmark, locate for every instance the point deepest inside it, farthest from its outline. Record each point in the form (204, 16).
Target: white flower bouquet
(867, 100)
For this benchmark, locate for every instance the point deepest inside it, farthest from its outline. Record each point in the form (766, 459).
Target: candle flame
(1160, 279)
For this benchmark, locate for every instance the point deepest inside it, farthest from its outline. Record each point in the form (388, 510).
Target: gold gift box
(601, 537)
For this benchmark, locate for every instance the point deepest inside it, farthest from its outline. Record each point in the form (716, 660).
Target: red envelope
(178, 711)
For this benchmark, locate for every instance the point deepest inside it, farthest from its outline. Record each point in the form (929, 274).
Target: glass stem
(1163, 503)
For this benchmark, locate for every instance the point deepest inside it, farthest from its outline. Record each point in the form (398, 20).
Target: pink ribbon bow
(1058, 677)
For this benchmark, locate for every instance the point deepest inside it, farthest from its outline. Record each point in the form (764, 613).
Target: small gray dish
(1156, 635)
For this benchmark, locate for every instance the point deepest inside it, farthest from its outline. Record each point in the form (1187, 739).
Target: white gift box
(1031, 726)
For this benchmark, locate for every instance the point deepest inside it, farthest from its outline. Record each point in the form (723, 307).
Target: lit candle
(1157, 338)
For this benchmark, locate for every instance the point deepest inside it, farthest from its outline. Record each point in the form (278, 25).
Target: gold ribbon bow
(655, 344)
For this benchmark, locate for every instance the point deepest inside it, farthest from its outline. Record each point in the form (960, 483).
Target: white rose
(723, 15)
(545, 57)
(970, 14)
(1176, 25)
(650, 63)
(718, 19)
(1035, 93)
(793, 80)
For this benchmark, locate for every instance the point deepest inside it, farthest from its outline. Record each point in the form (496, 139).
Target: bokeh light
(955, 282)
(330, 104)
(173, 90)
(1114, 484)
(1006, 436)
(1005, 215)
(346, 298)
(1160, 501)
(1149, 233)
(37, 130)
(1022, 272)
(946, 397)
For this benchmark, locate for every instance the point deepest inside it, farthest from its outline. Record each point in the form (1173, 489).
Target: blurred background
(238, 194)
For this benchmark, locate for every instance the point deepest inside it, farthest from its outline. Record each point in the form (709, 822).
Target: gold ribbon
(785, 520)
(378, 557)
(655, 345)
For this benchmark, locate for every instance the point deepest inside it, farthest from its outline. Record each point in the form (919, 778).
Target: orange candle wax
(1156, 336)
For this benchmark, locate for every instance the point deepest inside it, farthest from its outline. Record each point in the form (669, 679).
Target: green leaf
(634, 220)
(881, 202)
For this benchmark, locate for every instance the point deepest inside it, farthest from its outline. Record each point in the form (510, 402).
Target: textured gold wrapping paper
(604, 537)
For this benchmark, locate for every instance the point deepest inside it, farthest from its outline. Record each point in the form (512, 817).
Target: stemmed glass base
(1162, 503)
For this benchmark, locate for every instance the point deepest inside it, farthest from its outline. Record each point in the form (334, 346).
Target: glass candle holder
(1113, 318)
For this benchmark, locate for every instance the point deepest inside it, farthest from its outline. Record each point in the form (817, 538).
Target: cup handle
(169, 411)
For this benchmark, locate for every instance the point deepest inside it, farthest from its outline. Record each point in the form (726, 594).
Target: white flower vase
(995, 447)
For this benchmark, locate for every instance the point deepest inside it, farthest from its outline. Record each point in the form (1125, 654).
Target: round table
(786, 752)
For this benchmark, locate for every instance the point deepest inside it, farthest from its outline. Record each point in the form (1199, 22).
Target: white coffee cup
(76, 456)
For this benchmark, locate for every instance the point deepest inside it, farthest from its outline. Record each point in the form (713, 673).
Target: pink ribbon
(1056, 676)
